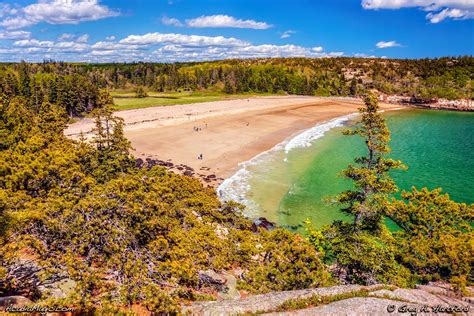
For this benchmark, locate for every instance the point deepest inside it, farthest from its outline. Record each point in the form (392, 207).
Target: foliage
(140, 92)
(362, 257)
(285, 262)
(436, 240)
(126, 236)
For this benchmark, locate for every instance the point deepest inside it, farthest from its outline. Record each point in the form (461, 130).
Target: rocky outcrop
(366, 300)
(265, 302)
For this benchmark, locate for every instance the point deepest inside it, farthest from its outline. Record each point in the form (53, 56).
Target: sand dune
(230, 132)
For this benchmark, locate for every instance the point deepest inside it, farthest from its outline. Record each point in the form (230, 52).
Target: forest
(76, 86)
(122, 235)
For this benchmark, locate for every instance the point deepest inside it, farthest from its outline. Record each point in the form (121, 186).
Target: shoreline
(236, 186)
(227, 133)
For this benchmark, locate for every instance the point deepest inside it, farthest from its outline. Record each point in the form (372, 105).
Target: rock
(263, 223)
(264, 302)
(16, 301)
(210, 278)
(224, 283)
(188, 173)
(139, 163)
(418, 296)
(59, 289)
(353, 306)
(375, 304)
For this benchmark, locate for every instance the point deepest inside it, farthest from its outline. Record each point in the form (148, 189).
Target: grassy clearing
(127, 101)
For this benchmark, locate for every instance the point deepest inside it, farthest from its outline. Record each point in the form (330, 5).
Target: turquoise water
(437, 147)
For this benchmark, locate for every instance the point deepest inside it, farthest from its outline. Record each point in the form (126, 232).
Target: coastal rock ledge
(431, 299)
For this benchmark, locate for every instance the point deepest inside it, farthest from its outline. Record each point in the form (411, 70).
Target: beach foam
(236, 187)
(306, 138)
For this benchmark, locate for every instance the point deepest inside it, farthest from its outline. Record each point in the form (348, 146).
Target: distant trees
(76, 86)
(140, 92)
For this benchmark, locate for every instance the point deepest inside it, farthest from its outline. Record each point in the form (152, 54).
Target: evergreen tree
(367, 202)
(140, 92)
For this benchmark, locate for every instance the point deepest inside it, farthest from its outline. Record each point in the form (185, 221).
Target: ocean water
(298, 179)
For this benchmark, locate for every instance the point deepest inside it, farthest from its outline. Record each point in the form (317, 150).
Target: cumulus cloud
(33, 43)
(287, 34)
(65, 36)
(83, 38)
(383, 44)
(156, 47)
(110, 38)
(171, 21)
(317, 49)
(181, 39)
(55, 12)
(221, 20)
(180, 53)
(14, 35)
(439, 10)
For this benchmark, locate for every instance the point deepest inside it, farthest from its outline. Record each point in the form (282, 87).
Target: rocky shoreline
(463, 105)
(203, 174)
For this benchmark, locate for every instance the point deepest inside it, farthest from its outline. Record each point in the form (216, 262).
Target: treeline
(75, 86)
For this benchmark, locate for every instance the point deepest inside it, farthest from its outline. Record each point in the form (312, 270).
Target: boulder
(224, 283)
(16, 301)
(263, 223)
(59, 289)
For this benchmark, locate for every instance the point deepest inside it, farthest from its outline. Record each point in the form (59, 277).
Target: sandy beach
(226, 133)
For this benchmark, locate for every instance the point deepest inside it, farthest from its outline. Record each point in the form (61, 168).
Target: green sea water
(437, 147)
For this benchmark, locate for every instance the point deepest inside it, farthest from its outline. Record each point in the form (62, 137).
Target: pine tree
(372, 184)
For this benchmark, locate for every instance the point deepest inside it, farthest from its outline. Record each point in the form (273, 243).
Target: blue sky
(184, 30)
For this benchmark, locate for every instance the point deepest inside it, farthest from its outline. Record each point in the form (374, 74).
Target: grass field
(127, 101)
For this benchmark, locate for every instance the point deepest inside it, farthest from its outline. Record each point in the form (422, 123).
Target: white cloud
(110, 38)
(83, 38)
(56, 12)
(287, 34)
(180, 53)
(181, 39)
(33, 43)
(383, 44)
(361, 55)
(455, 14)
(438, 9)
(65, 36)
(115, 46)
(153, 47)
(171, 21)
(222, 20)
(14, 35)
(317, 49)
(6, 9)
